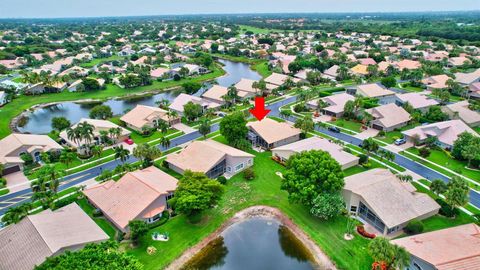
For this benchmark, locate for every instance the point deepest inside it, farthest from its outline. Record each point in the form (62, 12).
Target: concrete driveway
(17, 181)
(182, 127)
(398, 148)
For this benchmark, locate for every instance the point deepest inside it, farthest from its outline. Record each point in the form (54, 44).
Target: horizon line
(250, 13)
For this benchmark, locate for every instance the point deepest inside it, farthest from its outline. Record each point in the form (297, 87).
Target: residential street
(19, 197)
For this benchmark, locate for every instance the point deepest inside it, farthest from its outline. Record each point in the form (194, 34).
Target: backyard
(240, 194)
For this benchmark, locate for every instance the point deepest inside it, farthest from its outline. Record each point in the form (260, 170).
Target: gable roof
(389, 115)
(201, 156)
(467, 78)
(17, 140)
(393, 201)
(316, 143)
(142, 115)
(417, 100)
(216, 93)
(127, 198)
(28, 243)
(448, 249)
(446, 132)
(373, 90)
(272, 131)
(468, 116)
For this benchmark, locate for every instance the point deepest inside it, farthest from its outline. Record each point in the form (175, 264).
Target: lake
(257, 243)
(39, 121)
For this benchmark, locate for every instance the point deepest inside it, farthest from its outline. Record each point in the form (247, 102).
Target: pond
(39, 121)
(257, 243)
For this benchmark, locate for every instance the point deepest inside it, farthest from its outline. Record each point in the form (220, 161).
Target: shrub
(3, 182)
(363, 159)
(97, 213)
(222, 180)
(248, 174)
(414, 227)
(424, 152)
(381, 133)
(445, 209)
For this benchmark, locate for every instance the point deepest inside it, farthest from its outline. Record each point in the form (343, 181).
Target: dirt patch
(320, 258)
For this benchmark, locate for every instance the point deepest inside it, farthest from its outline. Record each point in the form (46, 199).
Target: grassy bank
(240, 194)
(23, 103)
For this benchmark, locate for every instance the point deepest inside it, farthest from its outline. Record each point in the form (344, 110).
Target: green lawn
(477, 129)
(23, 103)
(439, 222)
(256, 30)
(240, 194)
(106, 226)
(348, 124)
(4, 191)
(441, 158)
(139, 139)
(391, 136)
(97, 61)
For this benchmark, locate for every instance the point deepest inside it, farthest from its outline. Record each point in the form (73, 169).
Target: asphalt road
(17, 198)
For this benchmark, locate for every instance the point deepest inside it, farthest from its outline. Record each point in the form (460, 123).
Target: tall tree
(121, 153)
(457, 193)
(146, 153)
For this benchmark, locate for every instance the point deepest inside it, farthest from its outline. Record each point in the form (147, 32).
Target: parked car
(334, 129)
(128, 141)
(400, 141)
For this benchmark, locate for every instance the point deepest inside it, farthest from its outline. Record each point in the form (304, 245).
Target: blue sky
(99, 8)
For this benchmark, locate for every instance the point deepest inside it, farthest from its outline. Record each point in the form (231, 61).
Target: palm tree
(46, 186)
(171, 114)
(115, 133)
(67, 157)
(74, 135)
(103, 136)
(86, 134)
(146, 153)
(14, 214)
(97, 151)
(165, 142)
(233, 93)
(121, 153)
(162, 126)
(164, 103)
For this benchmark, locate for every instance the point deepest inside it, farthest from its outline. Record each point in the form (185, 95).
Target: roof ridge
(141, 180)
(41, 236)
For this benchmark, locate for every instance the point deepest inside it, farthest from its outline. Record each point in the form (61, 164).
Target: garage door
(11, 170)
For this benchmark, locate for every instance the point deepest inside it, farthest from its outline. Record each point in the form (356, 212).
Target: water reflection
(39, 121)
(253, 244)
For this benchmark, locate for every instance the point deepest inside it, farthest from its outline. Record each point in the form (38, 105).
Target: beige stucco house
(211, 158)
(142, 115)
(388, 117)
(270, 134)
(380, 199)
(12, 146)
(48, 233)
(346, 160)
(141, 194)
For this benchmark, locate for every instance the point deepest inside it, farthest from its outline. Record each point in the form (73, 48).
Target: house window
(353, 208)
(229, 169)
(417, 267)
(239, 167)
(249, 162)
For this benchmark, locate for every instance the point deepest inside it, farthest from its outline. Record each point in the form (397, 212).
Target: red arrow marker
(259, 110)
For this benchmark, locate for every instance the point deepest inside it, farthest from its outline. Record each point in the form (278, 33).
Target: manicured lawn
(441, 158)
(4, 191)
(477, 129)
(22, 103)
(256, 30)
(354, 126)
(139, 139)
(262, 69)
(240, 194)
(391, 136)
(97, 61)
(439, 222)
(106, 226)
(277, 119)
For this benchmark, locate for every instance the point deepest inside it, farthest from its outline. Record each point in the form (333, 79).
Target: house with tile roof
(270, 134)
(48, 233)
(143, 115)
(447, 249)
(460, 110)
(335, 102)
(98, 126)
(374, 90)
(346, 160)
(181, 100)
(381, 200)
(388, 117)
(141, 194)
(436, 82)
(215, 94)
(447, 132)
(14, 145)
(211, 158)
(416, 100)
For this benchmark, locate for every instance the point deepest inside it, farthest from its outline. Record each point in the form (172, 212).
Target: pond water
(257, 243)
(39, 121)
